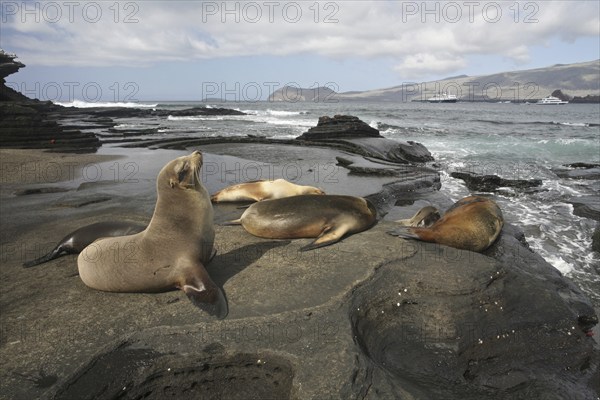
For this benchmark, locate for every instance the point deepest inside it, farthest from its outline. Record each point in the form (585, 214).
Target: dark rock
(582, 165)
(586, 206)
(559, 94)
(596, 239)
(41, 190)
(340, 126)
(128, 372)
(589, 99)
(459, 325)
(491, 183)
(199, 111)
(590, 171)
(30, 124)
(391, 150)
(360, 138)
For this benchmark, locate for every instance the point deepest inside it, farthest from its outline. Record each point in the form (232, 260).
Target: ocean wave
(274, 113)
(565, 123)
(85, 104)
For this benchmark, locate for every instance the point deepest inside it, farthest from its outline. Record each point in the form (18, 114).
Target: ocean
(514, 141)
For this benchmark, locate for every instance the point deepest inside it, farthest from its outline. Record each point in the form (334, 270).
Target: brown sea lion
(423, 218)
(263, 190)
(327, 218)
(171, 252)
(472, 223)
(79, 239)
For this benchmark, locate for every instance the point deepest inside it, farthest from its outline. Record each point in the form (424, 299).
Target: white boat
(443, 98)
(552, 100)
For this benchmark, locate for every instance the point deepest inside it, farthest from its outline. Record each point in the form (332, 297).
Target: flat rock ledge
(371, 317)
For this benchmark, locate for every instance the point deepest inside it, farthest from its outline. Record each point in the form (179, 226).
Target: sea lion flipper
(234, 222)
(200, 299)
(50, 256)
(404, 232)
(327, 237)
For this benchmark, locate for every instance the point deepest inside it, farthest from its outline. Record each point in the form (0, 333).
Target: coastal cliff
(32, 124)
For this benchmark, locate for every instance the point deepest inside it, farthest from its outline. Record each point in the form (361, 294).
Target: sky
(243, 50)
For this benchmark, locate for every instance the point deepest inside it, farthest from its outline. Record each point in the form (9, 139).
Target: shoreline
(313, 317)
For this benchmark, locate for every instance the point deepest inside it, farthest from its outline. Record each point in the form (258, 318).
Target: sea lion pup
(327, 218)
(171, 252)
(263, 190)
(472, 223)
(80, 238)
(423, 218)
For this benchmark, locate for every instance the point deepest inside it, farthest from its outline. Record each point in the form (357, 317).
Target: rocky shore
(371, 317)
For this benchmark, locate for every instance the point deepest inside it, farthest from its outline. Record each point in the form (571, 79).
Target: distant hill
(294, 94)
(581, 80)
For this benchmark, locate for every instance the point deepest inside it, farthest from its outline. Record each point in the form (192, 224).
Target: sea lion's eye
(183, 173)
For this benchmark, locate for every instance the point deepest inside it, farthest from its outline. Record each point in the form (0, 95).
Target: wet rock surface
(586, 206)
(372, 316)
(469, 328)
(579, 171)
(492, 183)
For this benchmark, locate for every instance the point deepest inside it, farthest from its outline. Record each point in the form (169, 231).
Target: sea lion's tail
(405, 232)
(45, 258)
(234, 222)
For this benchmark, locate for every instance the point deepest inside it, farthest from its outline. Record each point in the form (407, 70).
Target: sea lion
(263, 190)
(171, 252)
(472, 223)
(327, 218)
(424, 217)
(79, 239)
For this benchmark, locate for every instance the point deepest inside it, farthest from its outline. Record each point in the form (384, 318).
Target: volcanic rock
(340, 126)
(491, 183)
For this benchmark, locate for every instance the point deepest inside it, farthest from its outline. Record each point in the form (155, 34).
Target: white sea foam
(85, 104)
(558, 263)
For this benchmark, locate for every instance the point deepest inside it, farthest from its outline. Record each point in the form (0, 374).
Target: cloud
(420, 38)
(422, 64)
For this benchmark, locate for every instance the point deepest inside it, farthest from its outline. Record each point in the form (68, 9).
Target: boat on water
(443, 98)
(552, 100)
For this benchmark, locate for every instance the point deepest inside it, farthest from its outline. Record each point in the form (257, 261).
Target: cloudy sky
(189, 50)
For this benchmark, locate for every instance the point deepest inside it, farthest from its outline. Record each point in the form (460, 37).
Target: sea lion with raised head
(327, 218)
(263, 190)
(472, 223)
(423, 218)
(80, 238)
(171, 252)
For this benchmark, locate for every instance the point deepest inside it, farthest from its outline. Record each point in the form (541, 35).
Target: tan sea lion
(171, 252)
(472, 223)
(263, 190)
(423, 218)
(327, 218)
(80, 238)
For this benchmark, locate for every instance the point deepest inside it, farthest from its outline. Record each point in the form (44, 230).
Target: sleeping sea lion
(472, 223)
(424, 217)
(327, 218)
(79, 239)
(263, 190)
